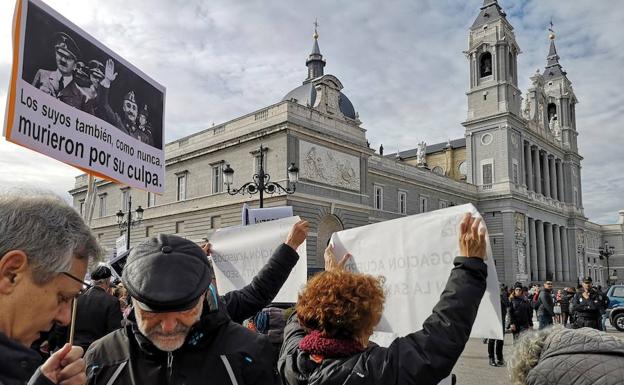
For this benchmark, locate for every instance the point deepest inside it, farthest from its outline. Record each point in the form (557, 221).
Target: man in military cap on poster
(588, 306)
(126, 122)
(98, 312)
(144, 131)
(67, 53)
(179, 331)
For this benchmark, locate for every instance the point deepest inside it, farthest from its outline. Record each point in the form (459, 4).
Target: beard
(167, 342)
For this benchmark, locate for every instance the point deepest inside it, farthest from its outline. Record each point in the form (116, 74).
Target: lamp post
(605, 253)
(129, 222)
(261, 181)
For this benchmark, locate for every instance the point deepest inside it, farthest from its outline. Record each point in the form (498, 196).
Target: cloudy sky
(400, 62)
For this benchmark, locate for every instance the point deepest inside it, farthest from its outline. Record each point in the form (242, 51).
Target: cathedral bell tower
(494, 122)
(493, 54)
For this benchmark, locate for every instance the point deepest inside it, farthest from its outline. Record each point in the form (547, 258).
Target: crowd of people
(166, 323)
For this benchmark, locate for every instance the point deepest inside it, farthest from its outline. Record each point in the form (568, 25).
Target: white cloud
(401, 63)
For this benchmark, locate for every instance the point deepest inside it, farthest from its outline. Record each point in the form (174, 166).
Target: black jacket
(214, 348)
(18, 363)
(546, 303)
(423, 357)
(246, 302)
(97, 314)
(520, 313)
(588, 308)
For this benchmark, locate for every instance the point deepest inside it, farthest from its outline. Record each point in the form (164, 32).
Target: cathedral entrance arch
(328, 225)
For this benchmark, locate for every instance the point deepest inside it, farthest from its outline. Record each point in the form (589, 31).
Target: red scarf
(320, 347)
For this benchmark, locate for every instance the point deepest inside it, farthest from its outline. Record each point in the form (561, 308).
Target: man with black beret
(179, 331)
(588, 306)
(98, 312)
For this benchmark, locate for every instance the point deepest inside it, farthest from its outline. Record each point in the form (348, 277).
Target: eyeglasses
(85, 286)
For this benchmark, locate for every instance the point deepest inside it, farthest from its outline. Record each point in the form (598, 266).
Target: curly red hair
(341, 304)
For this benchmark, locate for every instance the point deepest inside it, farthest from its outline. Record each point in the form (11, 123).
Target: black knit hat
(167, 273)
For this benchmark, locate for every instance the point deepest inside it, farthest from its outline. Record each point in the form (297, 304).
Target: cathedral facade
(518, 162)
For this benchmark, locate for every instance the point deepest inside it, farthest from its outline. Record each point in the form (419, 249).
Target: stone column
(564, 253)
(537, 173)
(550, 251)
(553, 178)
(560, 180)
(527, 243)
(541, 251)
(558, 257)
(528, 164)
(533, 250)
(546, 175)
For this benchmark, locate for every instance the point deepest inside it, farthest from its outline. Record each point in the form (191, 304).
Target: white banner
(75, 100)
(415, 255)
(238, 254)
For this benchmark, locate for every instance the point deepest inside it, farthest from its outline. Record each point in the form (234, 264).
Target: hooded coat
(579, 357)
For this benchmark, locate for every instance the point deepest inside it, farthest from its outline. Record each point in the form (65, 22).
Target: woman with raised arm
(326, 341)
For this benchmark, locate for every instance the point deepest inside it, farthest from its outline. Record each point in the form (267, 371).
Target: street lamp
(129, 222)
(261, 182)
(605, 253)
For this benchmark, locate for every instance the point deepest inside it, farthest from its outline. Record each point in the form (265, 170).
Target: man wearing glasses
(45, 248)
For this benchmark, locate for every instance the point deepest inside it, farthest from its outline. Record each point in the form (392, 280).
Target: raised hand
(109, 73)
(298, 233)
(331, 262)
(206, 248)
(472, 237)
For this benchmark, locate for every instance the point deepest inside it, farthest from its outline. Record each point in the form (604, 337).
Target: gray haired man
(45, 248)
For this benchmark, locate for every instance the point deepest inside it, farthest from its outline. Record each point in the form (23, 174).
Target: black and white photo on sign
(70, 68)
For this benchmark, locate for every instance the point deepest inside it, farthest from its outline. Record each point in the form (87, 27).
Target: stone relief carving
(526, 112)
(328, 166)
(554, 126)
(421, 151)
(520, 236)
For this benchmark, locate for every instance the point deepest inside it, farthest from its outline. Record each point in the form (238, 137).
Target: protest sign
(238, 254)
(75, 100)
(256, 216)
(120, 244)
(415, 255)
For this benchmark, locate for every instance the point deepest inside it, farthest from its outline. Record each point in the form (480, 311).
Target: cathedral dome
(306, 96)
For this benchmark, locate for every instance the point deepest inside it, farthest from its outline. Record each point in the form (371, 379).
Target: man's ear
(13, 266)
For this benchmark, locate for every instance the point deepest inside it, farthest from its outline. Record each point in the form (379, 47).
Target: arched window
(485, 64)
(552, 110)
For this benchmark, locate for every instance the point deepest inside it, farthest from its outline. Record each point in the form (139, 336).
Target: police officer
(588, 306)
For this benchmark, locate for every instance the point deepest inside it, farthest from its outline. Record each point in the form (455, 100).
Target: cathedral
(517, 162)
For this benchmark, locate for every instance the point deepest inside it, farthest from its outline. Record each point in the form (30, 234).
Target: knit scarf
(317, 345)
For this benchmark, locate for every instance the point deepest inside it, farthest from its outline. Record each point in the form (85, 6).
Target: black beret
(587, 280)
(101, 272)
(167, 273)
